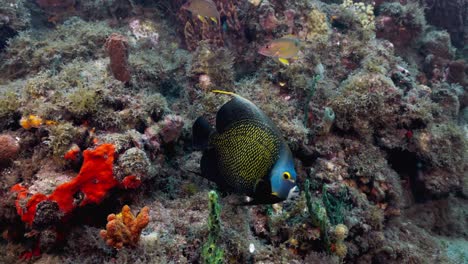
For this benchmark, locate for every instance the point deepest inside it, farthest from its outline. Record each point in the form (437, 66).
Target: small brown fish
(281, 49)
(202, 9)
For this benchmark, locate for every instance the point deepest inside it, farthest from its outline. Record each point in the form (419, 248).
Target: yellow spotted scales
(247, 151)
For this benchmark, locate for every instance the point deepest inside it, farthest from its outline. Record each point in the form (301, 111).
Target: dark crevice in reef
(96, 215)
(306, 155)
(6, 33)
(408, 166)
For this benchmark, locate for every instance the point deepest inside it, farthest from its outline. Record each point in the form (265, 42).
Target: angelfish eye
(286, 175)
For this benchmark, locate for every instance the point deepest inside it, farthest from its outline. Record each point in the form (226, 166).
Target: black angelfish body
(246, 153)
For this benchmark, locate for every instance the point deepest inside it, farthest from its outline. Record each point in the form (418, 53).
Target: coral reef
(124, 229)
(97, 99)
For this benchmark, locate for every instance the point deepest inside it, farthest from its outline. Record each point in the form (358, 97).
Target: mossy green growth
(326, 211)
(335, 205)
(30, 53)
(83, 102)
(159, 71)
(376, 64)
(318, 213)
(61, 138)
(9, 104)
(212, 253)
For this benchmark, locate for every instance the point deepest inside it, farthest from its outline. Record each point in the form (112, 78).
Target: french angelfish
(281, 49)
(202, 9)
(245, 153)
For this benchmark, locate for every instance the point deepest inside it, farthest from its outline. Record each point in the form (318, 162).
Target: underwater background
(98, 99)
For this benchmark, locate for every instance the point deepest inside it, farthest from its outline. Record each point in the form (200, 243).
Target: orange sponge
(94, 181)
(124, 229)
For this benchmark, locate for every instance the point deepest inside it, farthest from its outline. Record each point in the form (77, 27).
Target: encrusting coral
(124, 229)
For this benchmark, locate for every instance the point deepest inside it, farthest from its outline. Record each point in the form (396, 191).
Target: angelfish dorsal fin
(237, 109)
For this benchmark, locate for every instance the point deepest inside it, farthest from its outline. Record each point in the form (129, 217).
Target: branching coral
(124, 229)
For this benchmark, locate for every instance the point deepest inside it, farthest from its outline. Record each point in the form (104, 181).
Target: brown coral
(124, 229)
(9, 149)
(117, 48)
